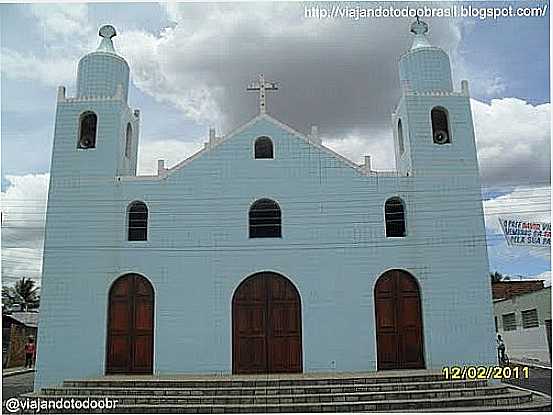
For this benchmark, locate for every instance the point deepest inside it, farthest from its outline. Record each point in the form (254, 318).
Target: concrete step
(512, 399)
(256, 380)
(539, 403)
(294, 399)
(413, 391)
(270, 390)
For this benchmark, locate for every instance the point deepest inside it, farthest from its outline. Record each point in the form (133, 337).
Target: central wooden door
(266, 326)
(130, 342)
(398, 321)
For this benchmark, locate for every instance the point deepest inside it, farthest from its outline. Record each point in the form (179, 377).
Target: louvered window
(509, 322)
(530, 318)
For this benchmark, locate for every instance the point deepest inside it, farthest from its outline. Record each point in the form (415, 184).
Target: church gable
(287, 149)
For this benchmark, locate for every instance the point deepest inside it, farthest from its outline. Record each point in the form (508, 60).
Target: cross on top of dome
(419, 27)
(106, 32)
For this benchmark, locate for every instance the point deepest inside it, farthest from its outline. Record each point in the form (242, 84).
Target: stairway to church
(413, 391)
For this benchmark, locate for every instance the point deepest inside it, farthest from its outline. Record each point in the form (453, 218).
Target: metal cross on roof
(262, 86)
(419, 27)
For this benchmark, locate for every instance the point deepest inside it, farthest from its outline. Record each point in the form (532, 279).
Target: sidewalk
(536, 364)
(12, 371)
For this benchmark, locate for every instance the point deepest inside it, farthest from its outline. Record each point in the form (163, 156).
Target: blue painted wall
(198, 251)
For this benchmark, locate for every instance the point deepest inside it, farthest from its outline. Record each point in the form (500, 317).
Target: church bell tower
(432, 124)
(96, 133)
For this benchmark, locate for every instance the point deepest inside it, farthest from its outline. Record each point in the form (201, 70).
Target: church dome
(101, 72)
(424, 67)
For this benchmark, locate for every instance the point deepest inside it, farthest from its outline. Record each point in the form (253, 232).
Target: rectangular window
(530, 318)
(495, 321)
(509, 322)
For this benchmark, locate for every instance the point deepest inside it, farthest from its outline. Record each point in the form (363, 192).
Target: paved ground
(538, 380)
(16, 371)
(15, 385)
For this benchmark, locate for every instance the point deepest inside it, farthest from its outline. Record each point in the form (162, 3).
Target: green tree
(25, 292)
(496, 276)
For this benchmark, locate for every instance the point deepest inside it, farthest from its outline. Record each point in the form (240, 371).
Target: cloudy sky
(190, 64)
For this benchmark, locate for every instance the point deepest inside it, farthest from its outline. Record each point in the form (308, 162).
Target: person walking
(500, 349)
(30, 350)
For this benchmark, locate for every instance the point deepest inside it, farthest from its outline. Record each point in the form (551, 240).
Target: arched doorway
(399, 336)
(130, 340)
(266, 325)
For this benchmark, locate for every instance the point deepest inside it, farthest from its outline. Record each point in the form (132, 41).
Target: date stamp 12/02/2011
(485, 372)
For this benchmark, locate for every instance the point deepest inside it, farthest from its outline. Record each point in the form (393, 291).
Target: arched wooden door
(266, 326)
(399, 335)
(130, 340)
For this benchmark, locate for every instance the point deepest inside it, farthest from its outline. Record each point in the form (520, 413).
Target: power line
(343, 203)
(476, 240)
(354, 190)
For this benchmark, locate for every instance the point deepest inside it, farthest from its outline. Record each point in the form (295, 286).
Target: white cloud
(23, 217)
(514, 141)
(355, 147)
(528, 203)
(512, 137)
(172, 151)
(62, 21)
(66, 33)
(147, 57)
(203, 62)
(495, 86)
(485, 80)
(202, 68)
(51, 71)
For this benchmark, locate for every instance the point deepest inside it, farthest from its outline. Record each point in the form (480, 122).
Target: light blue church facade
(265, 252)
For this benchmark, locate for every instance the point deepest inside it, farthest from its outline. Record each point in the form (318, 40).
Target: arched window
(138, 221)
(400, 138)
(265, 219)
(440, 126)
(394, 215)
(263, 148)
(128, 141)
(88, 122)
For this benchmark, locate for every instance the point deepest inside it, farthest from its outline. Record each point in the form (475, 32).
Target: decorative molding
(436, 93)
(92, 98)
(61, 93)
(87, 98)
(314, 136)
(161, 167)
(465, 88)
(367, 163)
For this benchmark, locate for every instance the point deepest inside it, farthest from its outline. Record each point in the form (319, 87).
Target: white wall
(527, 344)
